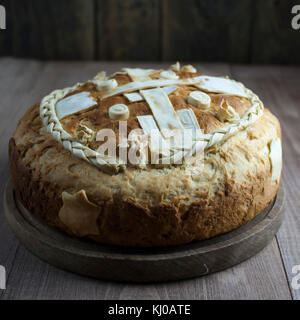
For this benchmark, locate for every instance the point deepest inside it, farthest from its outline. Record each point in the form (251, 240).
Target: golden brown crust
(97, 117)
(153, 207)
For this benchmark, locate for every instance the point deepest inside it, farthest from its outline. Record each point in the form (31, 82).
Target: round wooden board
(142, 265)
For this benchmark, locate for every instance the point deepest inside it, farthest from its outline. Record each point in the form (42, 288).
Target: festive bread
(212, 164)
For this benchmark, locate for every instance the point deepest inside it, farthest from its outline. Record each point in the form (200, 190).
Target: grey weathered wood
(278, 87)
(24, 82)
(128, 30)
(19, 76)
(142, 265)
(53, 29)
(206, 30)
(273, 38)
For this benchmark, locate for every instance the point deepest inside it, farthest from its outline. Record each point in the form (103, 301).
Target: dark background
(241, 31)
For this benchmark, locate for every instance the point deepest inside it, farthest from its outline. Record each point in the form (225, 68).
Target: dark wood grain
(24, 82)
(128, 30)
(206, 30)
(53, 29)
(247, 31)
(273, 38)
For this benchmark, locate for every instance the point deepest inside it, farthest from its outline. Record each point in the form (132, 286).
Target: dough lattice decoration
(52, 123)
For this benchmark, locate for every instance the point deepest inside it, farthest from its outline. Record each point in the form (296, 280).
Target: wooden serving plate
(148, 264)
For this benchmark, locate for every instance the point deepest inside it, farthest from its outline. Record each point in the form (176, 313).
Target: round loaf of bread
(226, 173)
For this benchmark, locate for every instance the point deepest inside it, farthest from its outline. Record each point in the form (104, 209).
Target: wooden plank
(5, 34)
(206, 30)
(128, 30)
(289, 113)
(53, 30)
(273, 38)
(261, 277)
(33, 279)
(278, 87)
(14, 78)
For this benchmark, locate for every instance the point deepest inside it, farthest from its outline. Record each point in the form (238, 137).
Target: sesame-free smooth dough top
(151, 206)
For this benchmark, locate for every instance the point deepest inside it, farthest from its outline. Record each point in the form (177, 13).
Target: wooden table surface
(267, 275)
